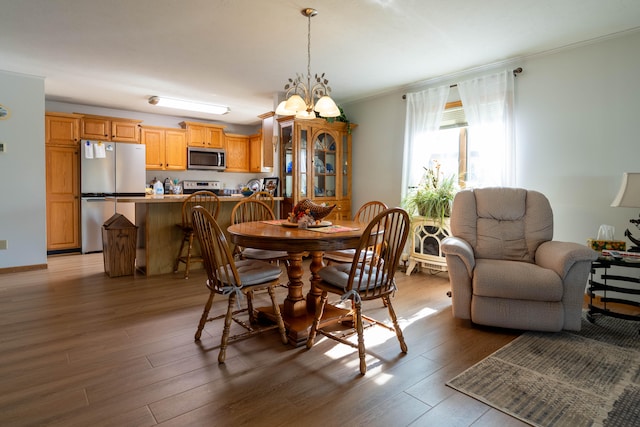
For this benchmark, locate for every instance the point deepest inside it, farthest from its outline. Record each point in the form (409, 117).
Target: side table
(604, 284)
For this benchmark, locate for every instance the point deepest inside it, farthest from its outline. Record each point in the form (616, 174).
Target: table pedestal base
(298, 326)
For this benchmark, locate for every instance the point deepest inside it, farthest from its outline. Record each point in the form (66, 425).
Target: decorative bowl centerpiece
(246, 192)
(305, 212)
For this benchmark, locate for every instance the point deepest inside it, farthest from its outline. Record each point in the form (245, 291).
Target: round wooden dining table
(297, 310)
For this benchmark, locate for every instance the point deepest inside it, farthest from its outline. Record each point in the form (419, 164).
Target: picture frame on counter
(271, 185)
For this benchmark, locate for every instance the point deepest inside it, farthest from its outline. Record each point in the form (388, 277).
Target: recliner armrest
(561, 256)
(461, 248)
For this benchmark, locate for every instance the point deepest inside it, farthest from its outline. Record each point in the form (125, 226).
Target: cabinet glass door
(287, 156)
(324, 165)
(345, 167)
(302, 165)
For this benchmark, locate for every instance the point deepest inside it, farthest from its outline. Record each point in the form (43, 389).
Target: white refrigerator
(108, 169)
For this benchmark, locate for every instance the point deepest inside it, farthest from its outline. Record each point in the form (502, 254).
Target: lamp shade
(282, 111)
(327, 107)
(305, 115)
(629, 193)
(295, 103)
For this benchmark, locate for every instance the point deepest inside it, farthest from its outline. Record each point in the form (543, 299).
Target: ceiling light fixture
(188, 105)
(301, 98)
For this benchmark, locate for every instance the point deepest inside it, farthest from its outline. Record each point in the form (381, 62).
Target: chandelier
(303, 100)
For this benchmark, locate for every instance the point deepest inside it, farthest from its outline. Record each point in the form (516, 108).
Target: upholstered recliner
(504, 268)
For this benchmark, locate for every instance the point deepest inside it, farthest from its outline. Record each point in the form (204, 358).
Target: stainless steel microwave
(206, 158)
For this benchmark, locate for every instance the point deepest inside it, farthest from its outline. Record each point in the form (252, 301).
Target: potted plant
(433, 196)
(429, 205)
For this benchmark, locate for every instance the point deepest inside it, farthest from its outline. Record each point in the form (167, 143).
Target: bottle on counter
(158, 189)
(167, 185)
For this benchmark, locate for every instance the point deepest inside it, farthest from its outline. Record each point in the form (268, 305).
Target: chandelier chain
(309, 48)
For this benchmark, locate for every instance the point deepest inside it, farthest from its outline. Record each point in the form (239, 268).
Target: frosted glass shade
(305, 115)
(295, 103)
(326, 107)
(282, 110)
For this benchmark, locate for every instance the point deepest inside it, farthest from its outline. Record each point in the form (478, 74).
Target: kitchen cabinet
(204, 134)
(166, 148)
(237, 149)
(315, 163)
(263, 145)
(110, 129)
(62, 182)
(62, 129)
(255, 153)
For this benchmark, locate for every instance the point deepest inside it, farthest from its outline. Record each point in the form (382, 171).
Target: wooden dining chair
(369, 278)
(211, 203)
(248, 210)
(365, 214)
(264, 196)
(235, 280)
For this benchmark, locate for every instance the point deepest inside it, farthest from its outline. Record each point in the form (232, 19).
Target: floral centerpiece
(433, 196)
(307, 213)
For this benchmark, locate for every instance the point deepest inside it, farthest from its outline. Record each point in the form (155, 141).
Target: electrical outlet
(4, 244)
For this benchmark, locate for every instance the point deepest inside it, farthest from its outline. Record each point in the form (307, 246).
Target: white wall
(22, 171)
(576, 132)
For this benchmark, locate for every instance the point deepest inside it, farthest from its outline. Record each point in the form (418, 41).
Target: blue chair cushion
(255, 272)
(263, 254)
(338, 276)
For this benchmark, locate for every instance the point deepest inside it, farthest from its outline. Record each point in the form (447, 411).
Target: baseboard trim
(22, 268)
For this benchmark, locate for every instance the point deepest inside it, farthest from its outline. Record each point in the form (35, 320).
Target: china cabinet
(315, 163)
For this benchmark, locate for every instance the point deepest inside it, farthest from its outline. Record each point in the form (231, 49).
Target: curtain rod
(515, 73)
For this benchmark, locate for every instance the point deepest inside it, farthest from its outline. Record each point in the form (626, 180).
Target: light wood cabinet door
(196, 136)
(255, 153)
(95, 128)
(268, 143)
(110, 129)
(214, 138)
(237, 147)
(175, 149)
(62, 130)
(63, 197)
(166, 148)
(204, 135)
(125, 131)
(154, 141)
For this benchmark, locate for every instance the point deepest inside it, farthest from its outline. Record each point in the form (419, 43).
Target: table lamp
(629, 197)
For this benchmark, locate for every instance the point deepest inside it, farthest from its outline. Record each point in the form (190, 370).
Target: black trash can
(119, 240)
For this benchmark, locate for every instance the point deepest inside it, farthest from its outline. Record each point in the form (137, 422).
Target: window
(471, 138)
(472, 155)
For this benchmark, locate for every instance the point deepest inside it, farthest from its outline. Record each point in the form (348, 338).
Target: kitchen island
(159, 237)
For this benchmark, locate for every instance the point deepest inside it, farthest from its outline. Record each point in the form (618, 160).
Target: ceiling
(240, 53)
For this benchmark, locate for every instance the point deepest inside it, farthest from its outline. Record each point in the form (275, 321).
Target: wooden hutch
(315, 163)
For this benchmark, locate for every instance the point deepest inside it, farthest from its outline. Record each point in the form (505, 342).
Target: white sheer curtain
(488, 105)
(424, 112)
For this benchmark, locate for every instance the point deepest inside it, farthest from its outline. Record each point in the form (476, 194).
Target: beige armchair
(505, 269)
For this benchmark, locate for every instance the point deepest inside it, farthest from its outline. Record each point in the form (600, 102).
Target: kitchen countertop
(174, 198)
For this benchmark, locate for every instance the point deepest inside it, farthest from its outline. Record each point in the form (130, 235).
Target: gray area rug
(586, 378)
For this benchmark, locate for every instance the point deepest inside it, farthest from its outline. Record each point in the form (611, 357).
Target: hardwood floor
(79, 348)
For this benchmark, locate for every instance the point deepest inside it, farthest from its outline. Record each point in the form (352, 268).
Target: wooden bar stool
(211, 203)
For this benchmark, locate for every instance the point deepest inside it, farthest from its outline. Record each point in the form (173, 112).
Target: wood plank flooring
(81, 349)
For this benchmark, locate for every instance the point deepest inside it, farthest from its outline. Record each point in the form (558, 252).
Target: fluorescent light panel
(188, 105)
